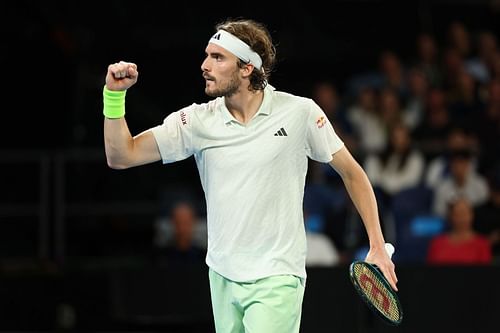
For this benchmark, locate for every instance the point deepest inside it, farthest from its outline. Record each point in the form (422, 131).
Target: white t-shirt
(253, 177)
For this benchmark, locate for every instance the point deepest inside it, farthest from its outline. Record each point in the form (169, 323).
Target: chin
(209, 88)
(210, 92)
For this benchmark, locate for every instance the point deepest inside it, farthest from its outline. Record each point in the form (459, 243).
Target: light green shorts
(268, 305)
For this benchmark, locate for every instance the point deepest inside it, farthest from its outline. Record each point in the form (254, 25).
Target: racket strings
(377, 293)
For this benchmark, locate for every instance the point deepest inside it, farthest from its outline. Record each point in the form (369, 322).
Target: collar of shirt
(264, 109)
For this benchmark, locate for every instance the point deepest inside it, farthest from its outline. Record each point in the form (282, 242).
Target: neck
(183, 243)
(460, 181)
(245, 104)
(461, 235)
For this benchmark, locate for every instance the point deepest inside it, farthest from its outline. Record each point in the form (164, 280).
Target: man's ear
(247, 70)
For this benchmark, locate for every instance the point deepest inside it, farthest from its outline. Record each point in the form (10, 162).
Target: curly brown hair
(257, 36)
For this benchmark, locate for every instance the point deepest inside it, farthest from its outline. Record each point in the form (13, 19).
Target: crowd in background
(426, 130)
(425, 126)
(424, 123)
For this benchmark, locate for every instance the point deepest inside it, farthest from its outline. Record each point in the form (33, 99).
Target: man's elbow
(116, 164)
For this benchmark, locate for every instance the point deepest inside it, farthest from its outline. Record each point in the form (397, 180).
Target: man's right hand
(121, 76)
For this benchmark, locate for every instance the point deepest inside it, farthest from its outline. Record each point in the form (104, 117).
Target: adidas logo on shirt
(281, 132)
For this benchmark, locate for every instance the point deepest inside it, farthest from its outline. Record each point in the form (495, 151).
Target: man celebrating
(251, 144)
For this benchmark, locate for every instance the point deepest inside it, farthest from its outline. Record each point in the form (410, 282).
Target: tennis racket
(375, 290)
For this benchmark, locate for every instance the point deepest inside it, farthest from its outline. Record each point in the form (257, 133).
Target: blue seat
(415, 224)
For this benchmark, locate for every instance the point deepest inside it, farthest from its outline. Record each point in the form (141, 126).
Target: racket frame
(376, 271)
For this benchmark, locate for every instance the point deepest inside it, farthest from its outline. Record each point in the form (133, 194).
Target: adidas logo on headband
(237, 47)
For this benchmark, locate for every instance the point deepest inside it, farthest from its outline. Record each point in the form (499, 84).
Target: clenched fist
(121, 75)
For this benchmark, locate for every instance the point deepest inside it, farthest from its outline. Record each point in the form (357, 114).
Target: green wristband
(114, 103)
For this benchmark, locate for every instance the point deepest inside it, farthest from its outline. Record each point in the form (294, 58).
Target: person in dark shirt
(182, 250)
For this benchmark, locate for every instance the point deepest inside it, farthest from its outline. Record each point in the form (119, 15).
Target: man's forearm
(363, 197)
(118, 142)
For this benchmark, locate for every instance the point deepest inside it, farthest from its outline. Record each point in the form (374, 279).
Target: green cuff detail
(114, 103)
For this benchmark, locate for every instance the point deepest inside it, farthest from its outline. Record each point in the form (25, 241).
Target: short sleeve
(321, 141)
(175, 136)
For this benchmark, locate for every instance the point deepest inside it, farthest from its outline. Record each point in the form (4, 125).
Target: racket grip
(389, 248)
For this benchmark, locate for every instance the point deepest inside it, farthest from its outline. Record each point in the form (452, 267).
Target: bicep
(145, 149)
(344, 163)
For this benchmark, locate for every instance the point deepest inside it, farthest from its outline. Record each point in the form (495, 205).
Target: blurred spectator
(431, 134)
(495, 66)
(368, 126)
(488, 216)
(390, 73)
(179, 246)
(460, 244)
(453, 67)
(428, 59)
(390, 107)
(393, 73)
(487, 127)
(461, 183)
(439, 167)
(399, 167)
(480, 66)
(418, 88)
(326, 95)
(464, 102)
(458, 38)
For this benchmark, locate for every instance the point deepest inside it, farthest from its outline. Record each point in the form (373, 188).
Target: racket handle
(389, 248)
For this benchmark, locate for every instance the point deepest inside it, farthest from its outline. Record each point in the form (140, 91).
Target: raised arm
(361, 193)
(122, 149)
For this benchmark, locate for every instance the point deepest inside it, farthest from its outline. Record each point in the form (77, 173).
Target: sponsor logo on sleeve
(320, 122)
(183, 118)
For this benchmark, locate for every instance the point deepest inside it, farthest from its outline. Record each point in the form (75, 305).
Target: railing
(434, 299)
(53, 206)
(38, 210)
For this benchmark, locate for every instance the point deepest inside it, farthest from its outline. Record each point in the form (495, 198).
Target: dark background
(55, 54)
(76, 232)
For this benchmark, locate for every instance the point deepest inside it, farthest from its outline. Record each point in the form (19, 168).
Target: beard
(228, 88)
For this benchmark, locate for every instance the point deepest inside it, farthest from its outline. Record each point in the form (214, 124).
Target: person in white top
(399, 167)
(251, 144)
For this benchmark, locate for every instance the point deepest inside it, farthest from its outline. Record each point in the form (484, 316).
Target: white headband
(237, 47)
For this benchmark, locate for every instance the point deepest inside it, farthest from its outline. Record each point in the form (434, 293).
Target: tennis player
(251, 144)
